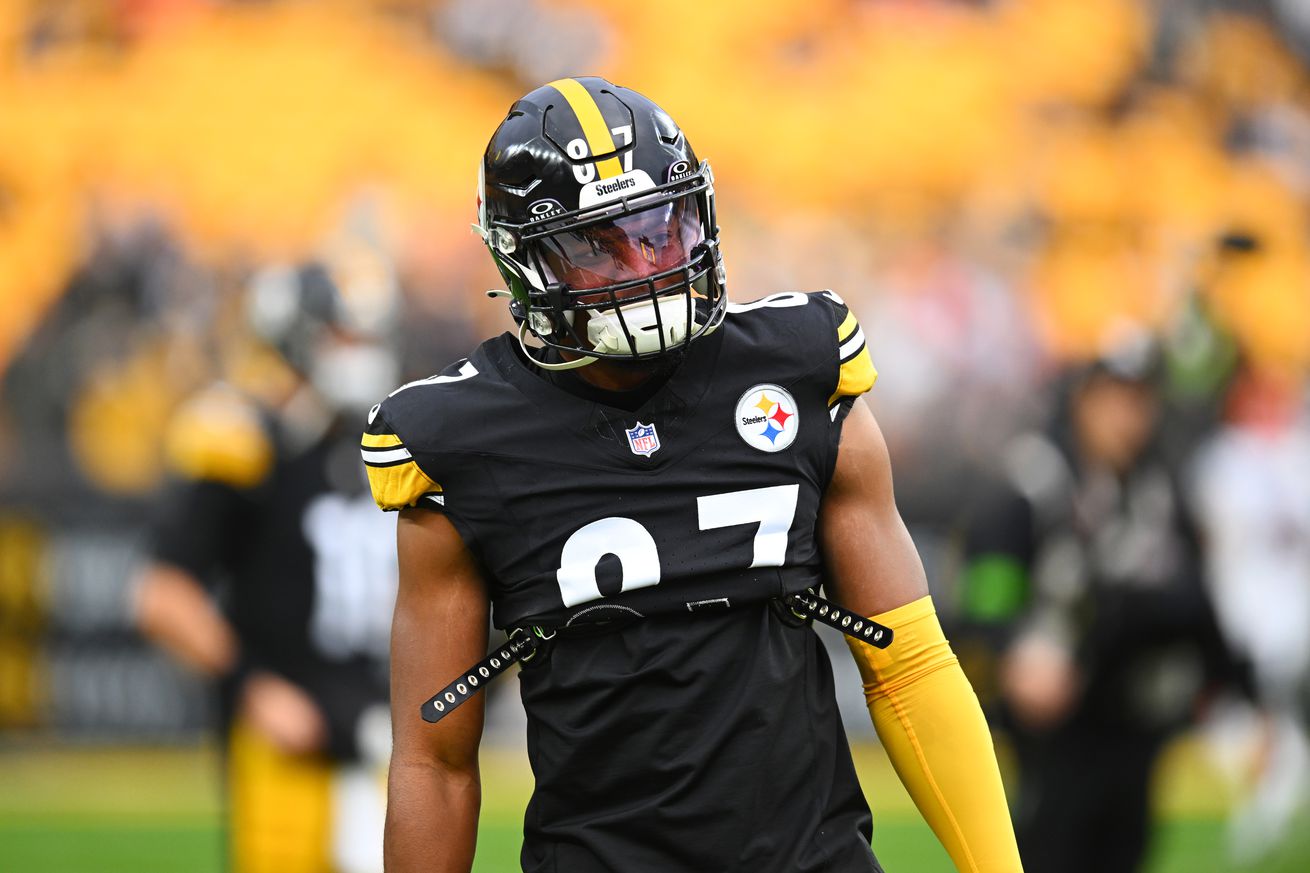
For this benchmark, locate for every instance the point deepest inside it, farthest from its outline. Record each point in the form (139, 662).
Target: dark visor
(633, 246)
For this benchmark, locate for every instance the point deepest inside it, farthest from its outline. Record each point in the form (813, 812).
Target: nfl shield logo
(643, 439)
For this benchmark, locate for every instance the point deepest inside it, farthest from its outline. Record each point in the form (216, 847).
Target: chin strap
(523, 335)
(563, 365)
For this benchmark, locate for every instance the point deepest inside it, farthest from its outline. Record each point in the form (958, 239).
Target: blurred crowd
(1011, 193)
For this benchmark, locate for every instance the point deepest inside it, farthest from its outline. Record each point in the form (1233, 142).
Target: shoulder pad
(824, 320)
(219, 436)
(394, 475)
(855, 371)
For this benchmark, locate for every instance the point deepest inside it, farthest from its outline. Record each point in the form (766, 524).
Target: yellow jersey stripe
(379, 440)
(855, 377)
(851, 346)
(399, 485)
(593, 124)
(847, 328)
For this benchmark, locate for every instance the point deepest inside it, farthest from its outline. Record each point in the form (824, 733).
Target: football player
(633, 484)
(270, 572)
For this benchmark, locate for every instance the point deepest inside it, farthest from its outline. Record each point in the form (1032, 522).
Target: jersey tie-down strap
(807, 604)
(523, 644)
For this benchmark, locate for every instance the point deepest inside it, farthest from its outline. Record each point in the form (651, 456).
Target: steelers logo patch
(767, 418)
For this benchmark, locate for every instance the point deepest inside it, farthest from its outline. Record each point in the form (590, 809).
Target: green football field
(98, 810)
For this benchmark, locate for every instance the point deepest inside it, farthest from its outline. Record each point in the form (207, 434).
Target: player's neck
(621, 384)
(611, 377)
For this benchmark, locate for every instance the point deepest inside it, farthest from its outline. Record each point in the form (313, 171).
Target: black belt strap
(523, 644)
(807, 604)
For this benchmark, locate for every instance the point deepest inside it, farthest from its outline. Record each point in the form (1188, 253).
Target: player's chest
(742, 435)
(577, 524)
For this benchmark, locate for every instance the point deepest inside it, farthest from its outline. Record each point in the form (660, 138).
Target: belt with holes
(807, 604)
(524, 642)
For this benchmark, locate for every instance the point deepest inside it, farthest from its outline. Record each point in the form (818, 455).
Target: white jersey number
(782, 300)
(772, 509)
(624, 538)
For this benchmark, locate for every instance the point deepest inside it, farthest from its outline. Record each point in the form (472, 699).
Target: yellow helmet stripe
(593, 124)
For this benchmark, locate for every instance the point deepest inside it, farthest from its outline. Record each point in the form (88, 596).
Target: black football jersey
(705, 497)
(284, 533)
(679, 720)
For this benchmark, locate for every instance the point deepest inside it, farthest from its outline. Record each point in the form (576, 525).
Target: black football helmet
(601, 221)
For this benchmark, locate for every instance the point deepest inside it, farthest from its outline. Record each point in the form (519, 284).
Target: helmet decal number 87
(577, 150)
(773, 509)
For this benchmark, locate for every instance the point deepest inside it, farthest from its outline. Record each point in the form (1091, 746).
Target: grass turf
(155, 811)
(904, 846)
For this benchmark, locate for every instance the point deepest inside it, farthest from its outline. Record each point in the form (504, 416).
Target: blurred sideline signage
(71, 661)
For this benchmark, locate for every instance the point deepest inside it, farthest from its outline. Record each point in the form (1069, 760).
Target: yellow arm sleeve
(929, 720)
